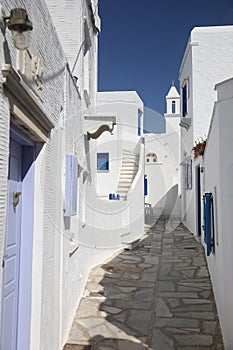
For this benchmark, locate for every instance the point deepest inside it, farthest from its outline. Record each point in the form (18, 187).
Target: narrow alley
(157, 296)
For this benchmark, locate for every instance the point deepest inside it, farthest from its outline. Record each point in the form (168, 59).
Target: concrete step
(125, 169)
(126, 176)
(127, 160)
(123, 161)
(125, 181)
(123, 187)
(129, 167)
(132, 168)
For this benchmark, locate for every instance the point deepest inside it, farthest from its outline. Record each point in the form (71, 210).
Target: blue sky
(142, 43)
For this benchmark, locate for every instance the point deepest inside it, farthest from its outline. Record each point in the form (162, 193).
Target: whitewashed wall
(45, 261)
(163, 179)
(207, 47)
(68, 17)
(218, 180)
(124, 105)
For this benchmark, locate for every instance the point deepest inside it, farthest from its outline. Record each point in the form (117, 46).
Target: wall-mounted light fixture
(19, 25)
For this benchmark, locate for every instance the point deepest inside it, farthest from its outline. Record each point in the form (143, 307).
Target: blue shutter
(71, 186)
(184, 101)
(209, 223)
(145, 186)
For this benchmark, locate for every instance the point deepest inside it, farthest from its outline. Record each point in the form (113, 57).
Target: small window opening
(102, 161)
(151, 157)
(173, 107)
(184, 101)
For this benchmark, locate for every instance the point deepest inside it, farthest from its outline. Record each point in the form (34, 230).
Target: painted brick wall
(4, 152)
(47, 330)
(68, 18)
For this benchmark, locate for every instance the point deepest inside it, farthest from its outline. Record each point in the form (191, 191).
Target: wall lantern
(20, 27)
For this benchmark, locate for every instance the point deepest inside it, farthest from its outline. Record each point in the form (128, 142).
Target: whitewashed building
(218, 167)
(52, 229)
(207, 61)
(206, 111)
(162, 165)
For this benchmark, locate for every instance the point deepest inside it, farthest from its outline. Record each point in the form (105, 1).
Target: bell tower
(173, 101)
(172, 115)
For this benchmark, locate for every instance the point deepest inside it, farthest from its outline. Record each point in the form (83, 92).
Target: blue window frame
(184, 101)
(102, 161)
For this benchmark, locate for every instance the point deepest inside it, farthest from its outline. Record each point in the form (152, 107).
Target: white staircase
(129, 168)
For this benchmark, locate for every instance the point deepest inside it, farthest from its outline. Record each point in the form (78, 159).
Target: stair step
(127, 175)
(129, 166)
(133, 159)
(123, 190)
(126, 179)
(129, 169)
(123, 186)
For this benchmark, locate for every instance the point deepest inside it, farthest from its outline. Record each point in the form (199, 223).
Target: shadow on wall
(168, 207)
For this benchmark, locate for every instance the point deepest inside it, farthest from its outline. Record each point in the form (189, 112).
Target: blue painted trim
(145, 186)
(208, 223)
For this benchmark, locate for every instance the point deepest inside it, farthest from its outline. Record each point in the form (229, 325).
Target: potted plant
(199, 148)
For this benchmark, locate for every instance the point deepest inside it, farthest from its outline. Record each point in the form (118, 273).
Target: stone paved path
(157, 297)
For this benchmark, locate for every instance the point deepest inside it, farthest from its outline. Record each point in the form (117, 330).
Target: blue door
(10, 289)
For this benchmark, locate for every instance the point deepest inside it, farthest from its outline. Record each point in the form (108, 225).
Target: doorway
(17, 260)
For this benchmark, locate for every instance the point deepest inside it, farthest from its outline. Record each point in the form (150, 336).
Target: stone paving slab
(156, 297)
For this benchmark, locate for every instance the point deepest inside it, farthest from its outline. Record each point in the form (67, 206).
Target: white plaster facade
(199, 72)
(207, 71)
(162, 159)
(57, 250)
(218, 168)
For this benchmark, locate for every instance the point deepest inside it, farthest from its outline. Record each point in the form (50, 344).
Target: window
(184, 100)
(151, 157)
(173, 106)
(102, 161)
